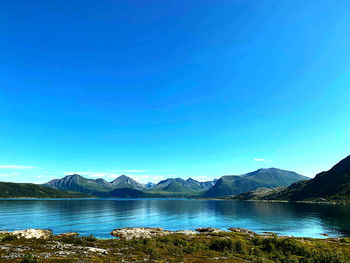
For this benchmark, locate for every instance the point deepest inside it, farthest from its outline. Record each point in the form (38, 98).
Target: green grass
(222, 247)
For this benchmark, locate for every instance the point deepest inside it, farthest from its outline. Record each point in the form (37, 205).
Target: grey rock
(138, 232)
(33, 233)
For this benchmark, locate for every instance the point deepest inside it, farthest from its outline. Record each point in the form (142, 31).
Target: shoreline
(148, 232)
(345, 202)
(334, 202)
(158, 245)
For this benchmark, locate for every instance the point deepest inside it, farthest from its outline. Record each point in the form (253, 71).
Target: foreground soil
(208, 247)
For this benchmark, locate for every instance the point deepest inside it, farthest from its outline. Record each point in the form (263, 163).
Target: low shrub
(90, 238)
(227, 245)
(221, 244)
(29, 258)
(239, 247)
(7, 237)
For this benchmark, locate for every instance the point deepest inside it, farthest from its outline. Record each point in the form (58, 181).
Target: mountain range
(124, 186)
(333, 184)
(262, 184)
(179, 185)
(98, 187)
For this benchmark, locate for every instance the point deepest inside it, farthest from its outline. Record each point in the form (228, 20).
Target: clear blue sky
(156, 89)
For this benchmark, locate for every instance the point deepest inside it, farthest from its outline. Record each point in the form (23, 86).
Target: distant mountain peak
(73, 176)
(331, 185)
(149, 185)
(122, 178)
(124, 181)
(272, 170)
(261, 178)
(178, 179)
(191, 180)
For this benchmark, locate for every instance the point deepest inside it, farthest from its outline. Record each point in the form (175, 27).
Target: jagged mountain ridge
(225, 186)
(102, 188)
(79, 183)
(180, 185)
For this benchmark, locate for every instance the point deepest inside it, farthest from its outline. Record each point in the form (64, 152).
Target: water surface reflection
(100, 216)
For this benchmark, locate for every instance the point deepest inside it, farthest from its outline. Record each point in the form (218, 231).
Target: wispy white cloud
(16, 167)
(9, 175)
(261, 160)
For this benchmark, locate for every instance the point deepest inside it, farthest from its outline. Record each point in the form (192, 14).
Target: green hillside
(22, 190)
(332, 185)
(262, 178)
(129, 193)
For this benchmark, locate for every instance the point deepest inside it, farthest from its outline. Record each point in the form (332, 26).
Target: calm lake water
(100, 216)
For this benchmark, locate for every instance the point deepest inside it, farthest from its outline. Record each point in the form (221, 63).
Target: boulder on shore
(33, 233)
(149, 232)
(138, 232)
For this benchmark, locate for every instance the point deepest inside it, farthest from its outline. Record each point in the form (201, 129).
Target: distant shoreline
(335, 202)
(184, 198)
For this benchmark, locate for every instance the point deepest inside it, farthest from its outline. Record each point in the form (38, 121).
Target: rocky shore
(158, 245)
(147, 232)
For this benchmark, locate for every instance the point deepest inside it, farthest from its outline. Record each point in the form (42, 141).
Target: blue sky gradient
(156, 89)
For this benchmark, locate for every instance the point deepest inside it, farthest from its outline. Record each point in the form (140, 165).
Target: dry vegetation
(222, 247)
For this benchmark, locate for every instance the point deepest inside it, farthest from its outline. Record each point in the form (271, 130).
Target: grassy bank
(221, 247)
